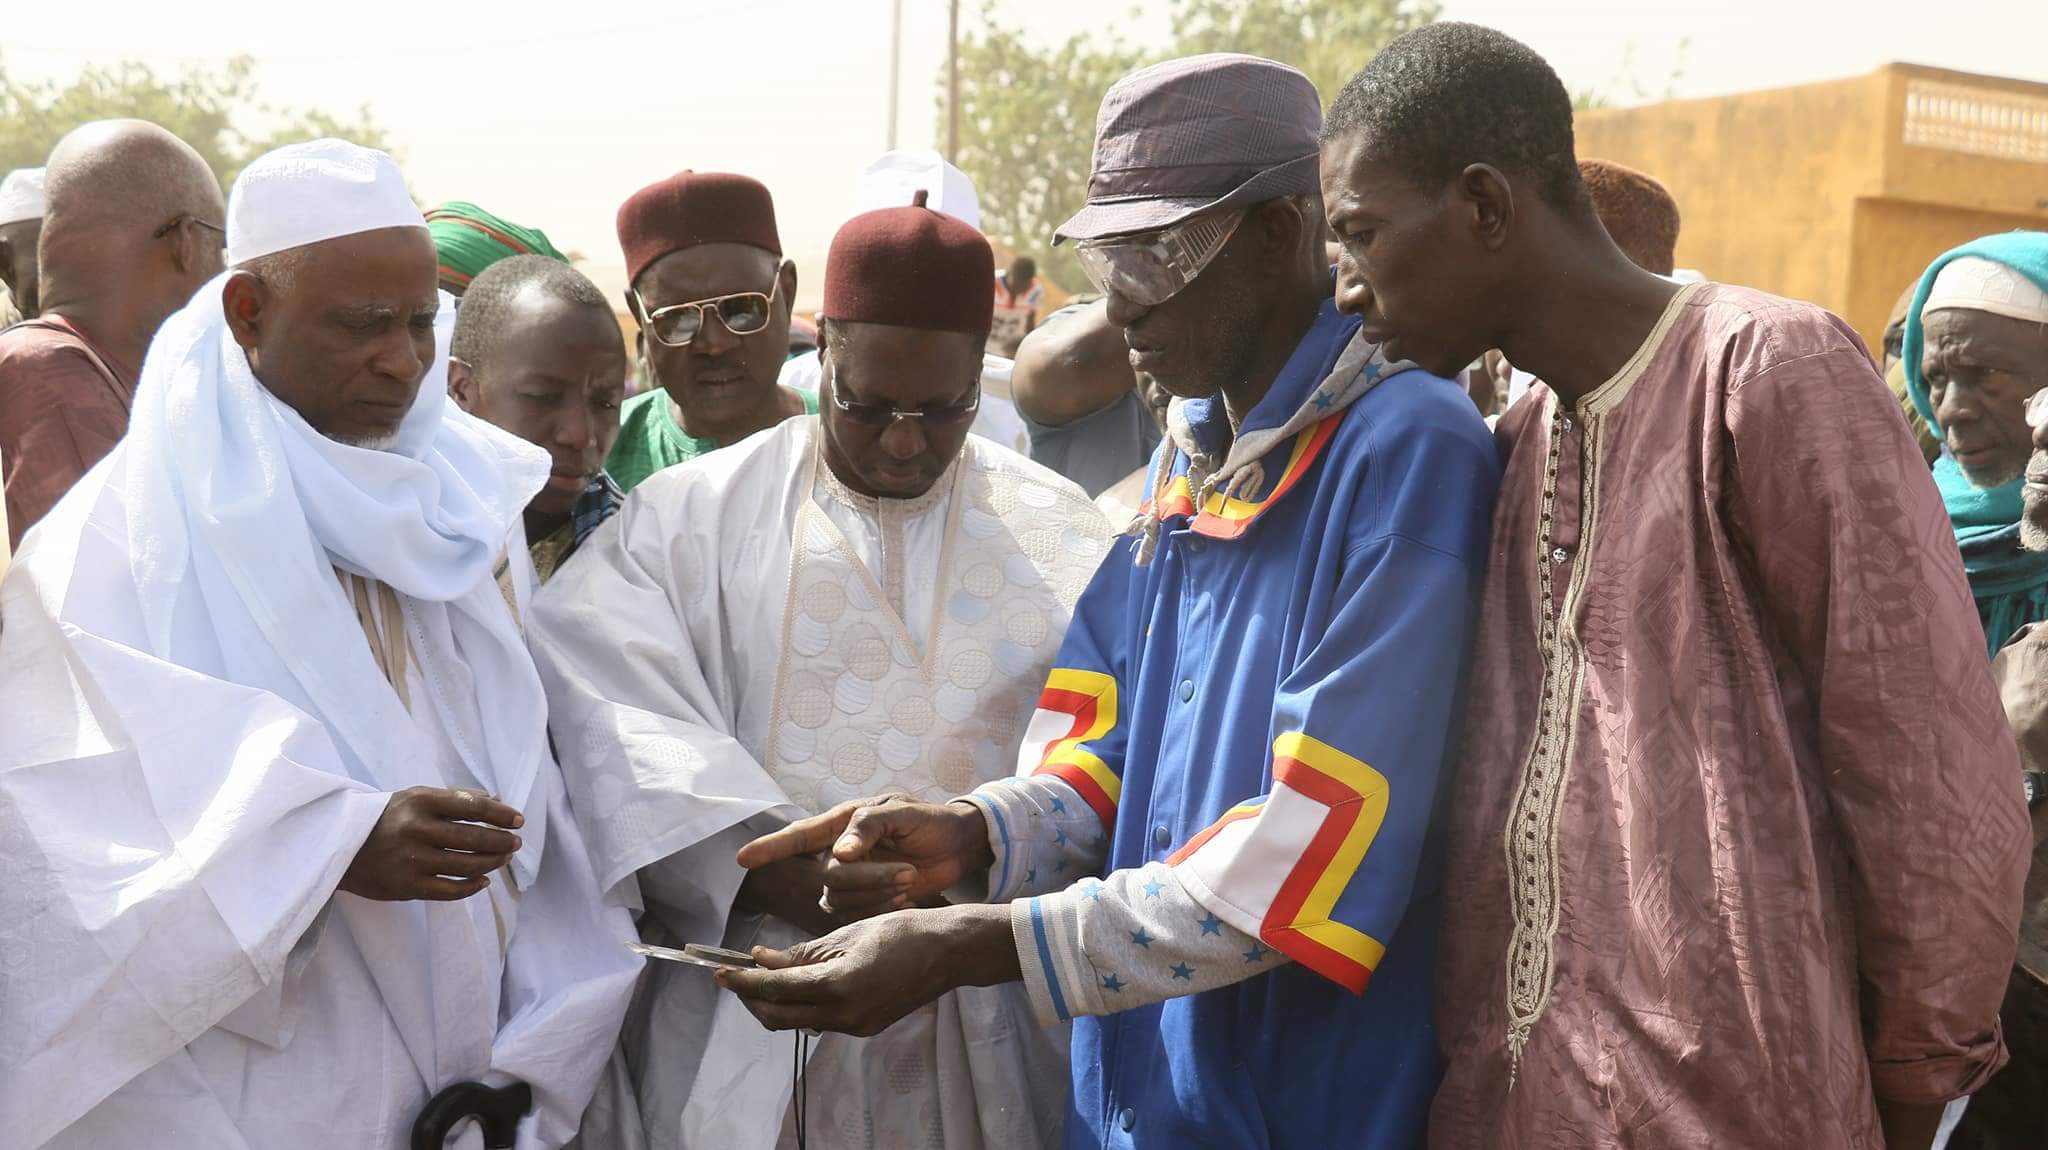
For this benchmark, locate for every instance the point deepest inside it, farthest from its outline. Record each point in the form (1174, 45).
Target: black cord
(800, 1087)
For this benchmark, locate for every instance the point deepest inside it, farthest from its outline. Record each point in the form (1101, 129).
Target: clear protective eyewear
(742, 313)
(1151, 268)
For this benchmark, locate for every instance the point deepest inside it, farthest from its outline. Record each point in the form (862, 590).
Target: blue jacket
(1266, 705)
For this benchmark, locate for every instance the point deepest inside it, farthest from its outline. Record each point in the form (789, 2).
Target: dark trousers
(2011, 1112)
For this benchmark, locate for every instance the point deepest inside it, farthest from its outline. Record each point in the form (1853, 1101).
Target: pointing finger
(802, 837)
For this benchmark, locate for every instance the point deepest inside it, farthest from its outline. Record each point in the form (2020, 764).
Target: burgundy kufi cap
(910, 267)
(692, 208)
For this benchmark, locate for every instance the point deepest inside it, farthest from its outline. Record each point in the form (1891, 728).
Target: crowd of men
(1435, 673)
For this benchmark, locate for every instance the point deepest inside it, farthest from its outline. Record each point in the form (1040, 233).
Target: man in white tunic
(283, 851)
(864, 599)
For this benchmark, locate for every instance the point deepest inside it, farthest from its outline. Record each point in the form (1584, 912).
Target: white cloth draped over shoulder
(749, 641)
(208, 740)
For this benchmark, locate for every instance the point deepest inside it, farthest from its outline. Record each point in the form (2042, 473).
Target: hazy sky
(550, 113)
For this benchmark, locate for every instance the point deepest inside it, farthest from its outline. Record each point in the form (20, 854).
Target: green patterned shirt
(651, 439)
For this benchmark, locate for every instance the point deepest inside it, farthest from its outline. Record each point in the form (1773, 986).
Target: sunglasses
(882, 416)
(1152, 268)
(742, 313)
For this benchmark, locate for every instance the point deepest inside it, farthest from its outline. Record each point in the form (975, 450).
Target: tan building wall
(1840, 192)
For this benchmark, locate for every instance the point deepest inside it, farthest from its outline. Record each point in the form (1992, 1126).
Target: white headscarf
(1973, 283)
(235, 498)
(21, 196)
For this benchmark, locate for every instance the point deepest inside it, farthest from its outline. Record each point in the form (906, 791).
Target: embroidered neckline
(1609, 395)
(1530, 839)
(874, 506)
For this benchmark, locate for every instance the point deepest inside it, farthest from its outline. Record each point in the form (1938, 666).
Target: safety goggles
(742, 313)
(1152, 268)
(882, 416)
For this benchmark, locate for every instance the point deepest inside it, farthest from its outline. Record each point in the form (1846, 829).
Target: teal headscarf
(2009, 583)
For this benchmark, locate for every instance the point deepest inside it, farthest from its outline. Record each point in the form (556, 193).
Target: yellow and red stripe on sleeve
(1222, 518)
(1295, 852)
(1076, 709)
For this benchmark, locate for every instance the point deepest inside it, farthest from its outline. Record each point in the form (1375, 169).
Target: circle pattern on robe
(794, 744)
(809, 637)
(954, 769)
(979, 524)
(1002, 730)
(1022, 571)
(970, 669)
(983, 580)
(809, 703)
(1078, 542)
(873, 710)
(1011, 659)
(1026, 625)
(867, 653)
(898, 751)
(825, 602)
(955, 704)
(852, 693)
(855, 763)
(911, 713)
(968, 609)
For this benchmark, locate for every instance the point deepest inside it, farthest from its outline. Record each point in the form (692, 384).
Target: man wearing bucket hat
(1220, 832)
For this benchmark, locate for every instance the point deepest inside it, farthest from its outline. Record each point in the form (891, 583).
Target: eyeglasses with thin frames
(882, 416)
(742, 313)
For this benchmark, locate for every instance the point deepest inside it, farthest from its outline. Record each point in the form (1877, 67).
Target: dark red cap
(910, 267)
(692, 208)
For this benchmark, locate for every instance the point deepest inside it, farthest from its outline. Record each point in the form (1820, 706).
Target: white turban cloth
(241, 513)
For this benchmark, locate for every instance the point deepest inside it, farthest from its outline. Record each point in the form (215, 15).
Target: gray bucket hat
(1193, 134)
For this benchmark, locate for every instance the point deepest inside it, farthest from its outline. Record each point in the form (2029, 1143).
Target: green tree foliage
(1027, 113)
(1330, 40)
(217, 111)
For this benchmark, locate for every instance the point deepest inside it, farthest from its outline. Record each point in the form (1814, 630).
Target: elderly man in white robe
(283, 851)
(866, 598)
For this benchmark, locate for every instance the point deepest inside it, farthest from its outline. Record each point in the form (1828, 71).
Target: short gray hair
(279, 271)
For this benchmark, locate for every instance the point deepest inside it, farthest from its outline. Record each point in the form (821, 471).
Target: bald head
(132, 226)
(116, 172)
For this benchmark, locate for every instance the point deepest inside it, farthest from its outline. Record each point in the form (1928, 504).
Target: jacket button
(1127, 1119)
(1187, 690)
(1161, 836)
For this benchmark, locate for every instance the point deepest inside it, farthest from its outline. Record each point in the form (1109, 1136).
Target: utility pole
(895, 65)
(953, 83)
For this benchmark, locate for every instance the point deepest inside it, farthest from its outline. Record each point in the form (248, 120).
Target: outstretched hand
(861, 978)
(886, 852)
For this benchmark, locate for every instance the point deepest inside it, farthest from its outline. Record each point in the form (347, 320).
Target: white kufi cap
(321, 190)
(21, 196)
(891, 181)
(1973, 283)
